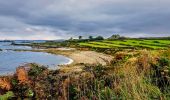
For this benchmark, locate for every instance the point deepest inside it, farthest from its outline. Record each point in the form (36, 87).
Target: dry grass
(132, 77)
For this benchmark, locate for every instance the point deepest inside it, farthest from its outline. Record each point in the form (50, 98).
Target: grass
(150, 44)
(94, 45)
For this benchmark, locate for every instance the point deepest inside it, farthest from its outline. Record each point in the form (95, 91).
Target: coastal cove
(10, 58)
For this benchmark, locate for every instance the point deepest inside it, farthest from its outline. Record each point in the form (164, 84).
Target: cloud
(61, 19)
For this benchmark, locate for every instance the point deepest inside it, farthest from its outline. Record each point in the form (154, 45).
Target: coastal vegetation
(130, 75)
(139, 70)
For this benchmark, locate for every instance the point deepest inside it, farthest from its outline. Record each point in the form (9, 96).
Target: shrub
(156, 42)
(36, 70)
(7, 96)
(29, 93)
(22, 75)
(5, 84)
(161, 74)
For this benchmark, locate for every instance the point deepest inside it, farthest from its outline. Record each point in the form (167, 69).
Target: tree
(99, 38)
(80, 37)
(71, 39)
(90, 37)
(115, 36)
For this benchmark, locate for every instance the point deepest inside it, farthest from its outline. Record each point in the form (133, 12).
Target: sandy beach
(86, 57)
(79, 58)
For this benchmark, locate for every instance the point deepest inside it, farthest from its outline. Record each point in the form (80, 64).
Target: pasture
(128, 43)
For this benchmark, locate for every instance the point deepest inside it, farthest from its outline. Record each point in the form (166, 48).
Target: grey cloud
(66, 18)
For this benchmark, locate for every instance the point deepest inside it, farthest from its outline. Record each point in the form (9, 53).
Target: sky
(62, 19)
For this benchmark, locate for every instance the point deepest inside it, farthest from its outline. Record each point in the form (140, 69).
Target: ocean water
(10, 59)
(8, 46)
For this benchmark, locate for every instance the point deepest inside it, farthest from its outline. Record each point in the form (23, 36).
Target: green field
(129, 43)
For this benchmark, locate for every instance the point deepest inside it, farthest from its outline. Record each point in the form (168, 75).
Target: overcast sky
(62, 19)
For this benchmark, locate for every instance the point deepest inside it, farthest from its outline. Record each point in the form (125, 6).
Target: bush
(156, 42)
(7, 96)
(161, 74)
(36, 70)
